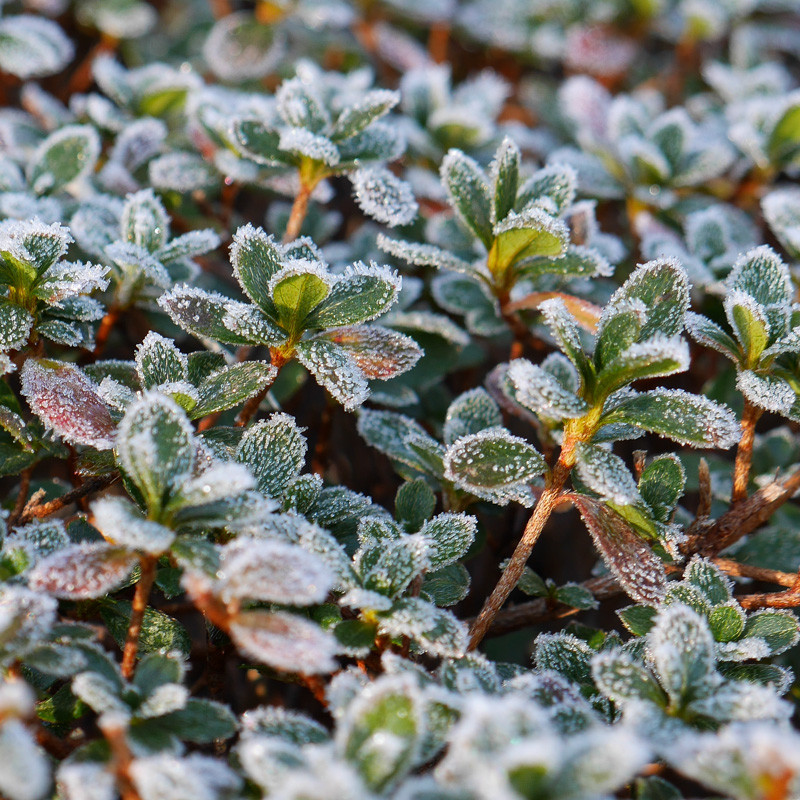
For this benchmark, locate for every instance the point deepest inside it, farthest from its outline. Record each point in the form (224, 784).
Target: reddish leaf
(83, 571)
(640, 572)
(379, 353)
(66, 401)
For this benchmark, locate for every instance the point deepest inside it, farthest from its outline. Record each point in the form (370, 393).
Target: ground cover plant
(399, 399)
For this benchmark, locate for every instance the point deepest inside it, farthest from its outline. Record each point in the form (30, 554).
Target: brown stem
(516, 565)
(148, 566)
(788, 599)
(705, 497)
(744, 451)
(103, 332)
(438, 41)
(38, 511)
(737, 570)
(319, 461)
(121, 757)
(250, 408)
(22, 498)
(298, 213)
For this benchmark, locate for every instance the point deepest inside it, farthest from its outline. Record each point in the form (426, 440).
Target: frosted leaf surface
(274, 572)
(25, 616)
(33, 46)
(180, 172)
(159, 361)
(239, 48)
(15, 326)
(197, 777)
(495, 465)
(539, 391)
(606, 474)
(424, 255)
(284, 641)
(303, 142)
(63, 157)
(379, 353)
(76, 781)
(24, 768)
(122, 524)
(68, 402)
(384, 197)
(335, 371)
(769, 392)
(471, 412)
(434, 630)
(449, 537)
(83, 571)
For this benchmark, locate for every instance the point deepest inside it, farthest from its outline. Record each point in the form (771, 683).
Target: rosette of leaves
(438, 116)
(713, 239)
(44, 296)
(325, 124)
(511, 231)
(586, 402)
(763, 343)
(477, 459)
(674, 681)
(301, 310)
(418, 549)
(145, 260)
(282, 750)
(739, 636)
(630, 144)
(152, 707)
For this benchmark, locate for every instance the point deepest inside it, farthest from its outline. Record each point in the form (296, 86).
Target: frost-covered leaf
(505, 178)
(181, 172)
(240, 48)
(122, 524)
(159, 361)
(273, 572)
(296, 293)
(686, 418)
(255, 258)
(15, 326)
(382, 731)
(471, 412)
(145, 221)
(24, 769)
(639, 571)
(83, 571)
(449, 536)
(384, 197)
(532, 233)
(538, 390)
(370, 107)
(335, 371)
(283, 641)
(623, 679)
(388, 566)
(434, 630)
(63, 157)
(661, 485)
(231, 385)
(67, 401)
(778, 629)
(494, 465)
(711, 335)
(393, 434)
(468, 191)
(379, 353)
(682, 651)
(156, 447)
(33, 46)
(606, 474)
(360, 295)
(424, 255)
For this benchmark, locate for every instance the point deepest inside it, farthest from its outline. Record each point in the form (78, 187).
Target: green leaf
(446, 586)
(638, 619)
(255, 258)
(565, 331)
(274, 450)
(259, 142)
(156, 448)
(144, 221)
(686, 418)
(232, 385)
(468, 190)
(15, 326)
(335, 371)
(378, 353)
(575, 595)
(726, 622)
(777, 628)
(160, 633)
(661, 485)
(606, 474)
(784, 141)
(200, 721)
(434, 630)
(361, 294)
(414, 504)
(532, 233)
(159, 361)
(64, 156)
(209, 315)
(295, 296)
(655, 788)
(471, 412)
(655, 358)
(621, 678)
(749, 322)
(709, 580)
(355, 634)
(449, 536)
(389, 709)
(371, 106)
(157, 669)
(495, 465)
(505, 178)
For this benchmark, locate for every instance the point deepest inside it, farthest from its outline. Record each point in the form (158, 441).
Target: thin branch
(149, 565)
(34, 510)
(22, 498)
(737, 570)
(298, 213)
(121, 757)
(744, 452)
